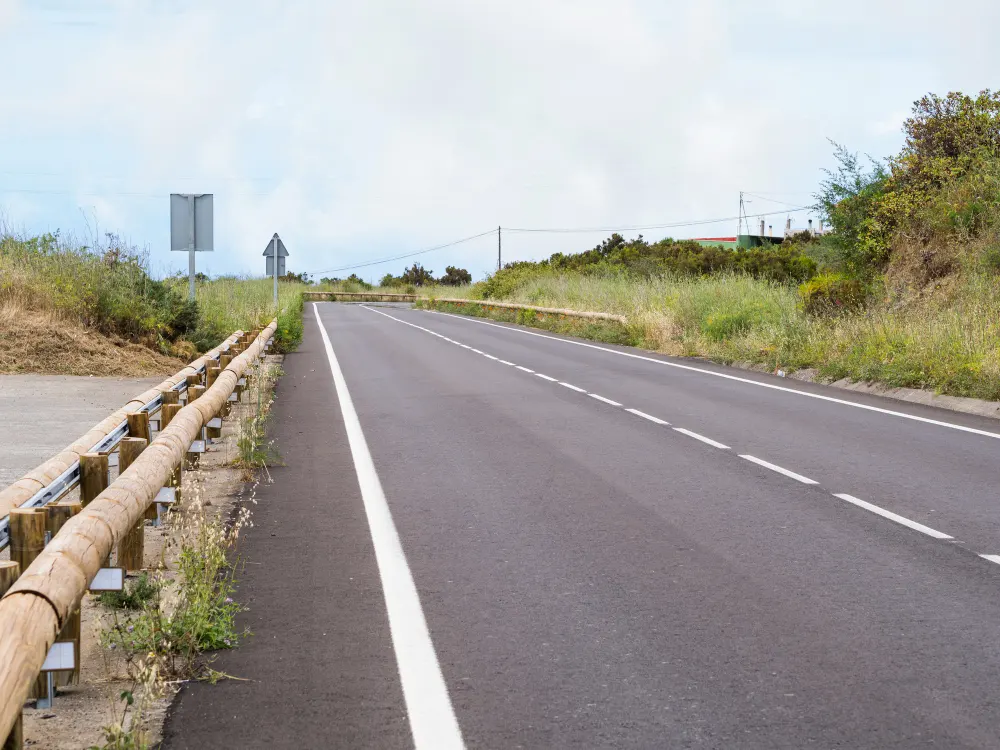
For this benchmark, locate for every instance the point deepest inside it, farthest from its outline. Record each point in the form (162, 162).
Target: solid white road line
(605, 400)
(775, 467)
(505, 362)
(477, 351)
(898, 519)
(546, 377)
(992, 558)
(572, 387)
(490, 356)
(644, 415)
(525, 369)
(702, 438)
(690, 368)
(432, 717)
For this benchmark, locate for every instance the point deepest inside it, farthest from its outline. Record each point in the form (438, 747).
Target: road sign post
(191, 227)
(275, 252)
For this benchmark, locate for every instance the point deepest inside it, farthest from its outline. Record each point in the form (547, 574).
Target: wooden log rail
(357, 297)
(42, 476)
(35, 609)
(517, 306)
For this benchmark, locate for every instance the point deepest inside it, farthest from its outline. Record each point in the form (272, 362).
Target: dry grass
(45, 341)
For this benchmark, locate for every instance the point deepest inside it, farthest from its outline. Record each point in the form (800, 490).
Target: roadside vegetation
(905, 289)
(69, 308)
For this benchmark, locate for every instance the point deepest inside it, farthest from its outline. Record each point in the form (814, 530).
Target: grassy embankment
(67, 309)
(904, 292)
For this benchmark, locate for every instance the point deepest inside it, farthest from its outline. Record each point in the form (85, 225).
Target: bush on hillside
(928, 204)
(832, 294)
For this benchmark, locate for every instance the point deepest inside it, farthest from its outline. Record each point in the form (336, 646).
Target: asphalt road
(577, 567)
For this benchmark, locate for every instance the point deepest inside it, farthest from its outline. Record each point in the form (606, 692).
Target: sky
(369, 129)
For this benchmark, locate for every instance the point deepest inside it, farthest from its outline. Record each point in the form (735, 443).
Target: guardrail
(51, 480)
(516, 306)
(43, 602)
(357, 297)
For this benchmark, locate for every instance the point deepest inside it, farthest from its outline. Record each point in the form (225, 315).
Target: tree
(301, 278)
(389, 280)
(417, 275)
(455, 277)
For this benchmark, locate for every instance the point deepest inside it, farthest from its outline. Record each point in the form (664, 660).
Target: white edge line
(505, 362)
(428, 706)
(900, 519)
(605, 400)
(525, 369)
(679, 366)
(546, 377)
(572, 387)
(779, 469)
(992, 558)
(702, 438)
(644, 415)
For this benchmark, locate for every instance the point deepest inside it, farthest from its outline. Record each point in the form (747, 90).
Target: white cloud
(363, 130)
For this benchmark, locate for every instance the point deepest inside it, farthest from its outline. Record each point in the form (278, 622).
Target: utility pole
(499, 263)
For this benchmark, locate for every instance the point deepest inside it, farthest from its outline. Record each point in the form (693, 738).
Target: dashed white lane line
(726, 376)
(644, 415)
(428, 705)
(779, 469)
(900, 519)
(605, 400)
(702, 438)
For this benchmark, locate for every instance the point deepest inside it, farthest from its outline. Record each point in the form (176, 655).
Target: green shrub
(135, 594)
(832, 294)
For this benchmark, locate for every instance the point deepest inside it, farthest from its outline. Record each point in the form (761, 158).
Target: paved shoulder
(319, 668)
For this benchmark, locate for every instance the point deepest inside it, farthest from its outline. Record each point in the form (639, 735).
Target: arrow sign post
(276, 253)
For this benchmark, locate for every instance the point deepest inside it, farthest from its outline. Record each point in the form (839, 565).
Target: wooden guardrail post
(170, 396)
(57, 515)
(176, 479)
(93, 476)
(191, 458)
(27, 540)
(9, 571)
(131, 547)
(138, 426)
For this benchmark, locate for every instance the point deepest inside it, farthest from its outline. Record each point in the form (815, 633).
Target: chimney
(761, 227)
(788, 224)
(770, 230)
(810, 226)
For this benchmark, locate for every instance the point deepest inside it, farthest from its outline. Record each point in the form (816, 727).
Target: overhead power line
(407, 255)
(636, 228)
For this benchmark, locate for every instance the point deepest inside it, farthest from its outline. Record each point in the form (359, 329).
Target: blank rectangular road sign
(180, 222)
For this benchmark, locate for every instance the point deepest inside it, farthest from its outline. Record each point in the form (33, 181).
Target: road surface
(486, 536)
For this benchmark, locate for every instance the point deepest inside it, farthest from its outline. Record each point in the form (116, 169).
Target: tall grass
(109, 290)
(950, 344)
(231, 303)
